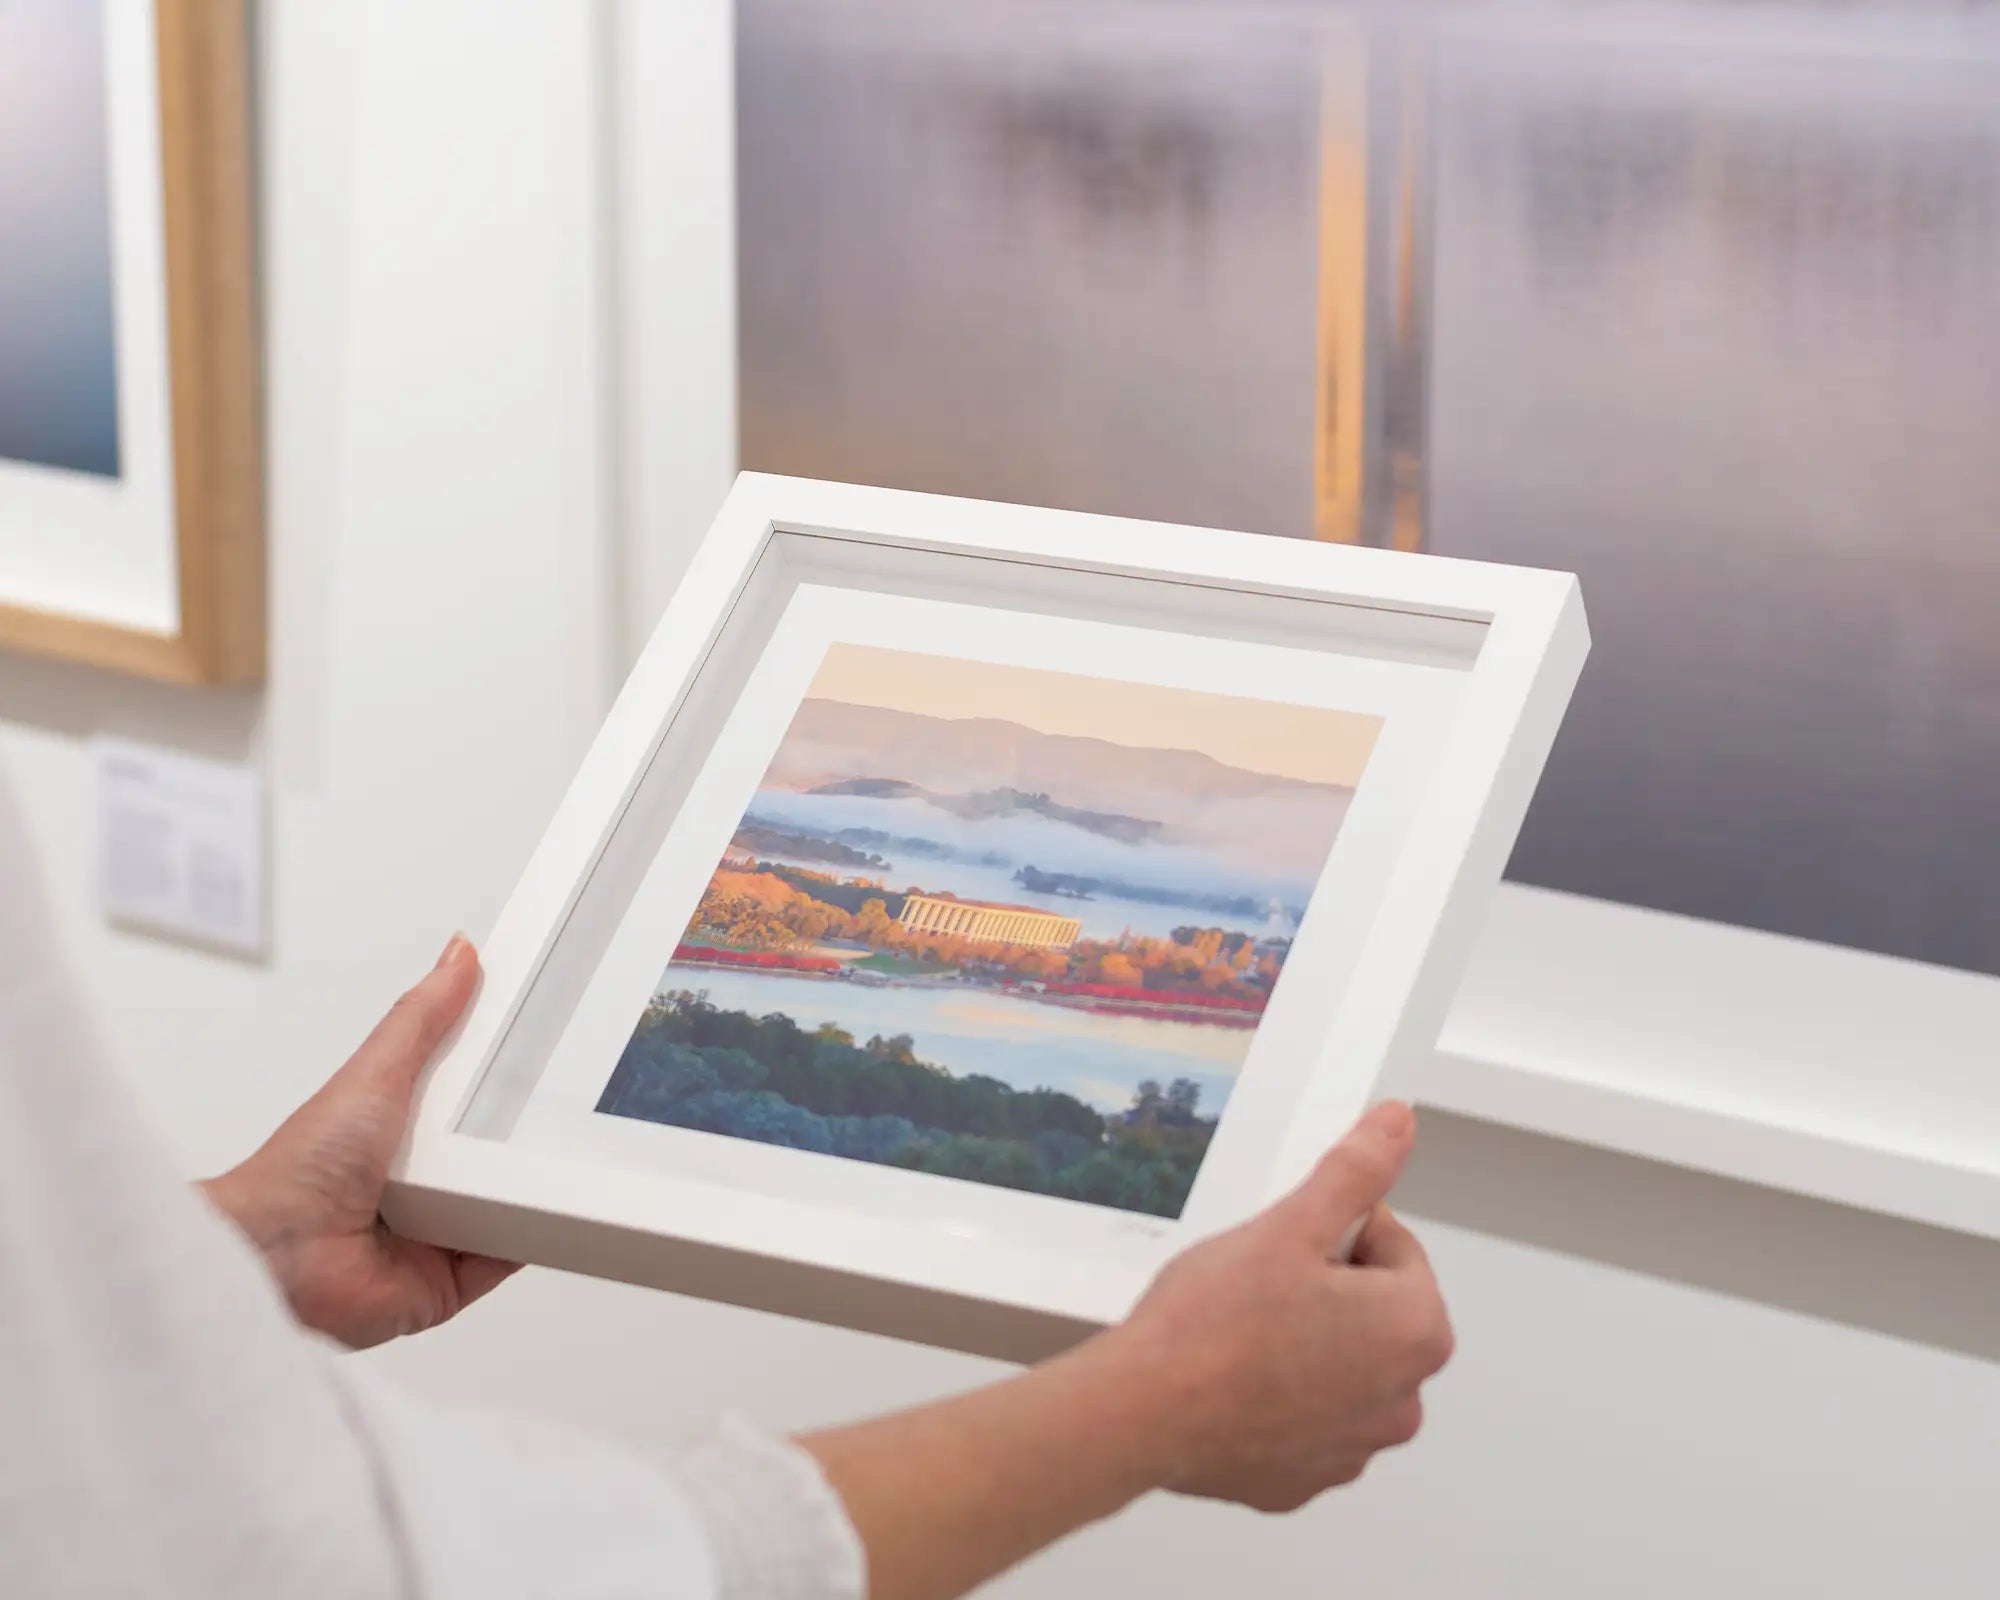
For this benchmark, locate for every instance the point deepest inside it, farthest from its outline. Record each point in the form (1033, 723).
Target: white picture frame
(1468, 668)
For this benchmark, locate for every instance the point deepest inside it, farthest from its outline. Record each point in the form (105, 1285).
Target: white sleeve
(169, 1431)
(490, 1505)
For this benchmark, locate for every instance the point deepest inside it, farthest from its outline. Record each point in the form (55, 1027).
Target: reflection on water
(1714, 321)
(1023, 1043)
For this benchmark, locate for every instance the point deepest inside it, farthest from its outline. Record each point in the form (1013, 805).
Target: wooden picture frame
(216, 579)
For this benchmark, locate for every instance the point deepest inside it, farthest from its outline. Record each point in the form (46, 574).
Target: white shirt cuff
(776, 1529)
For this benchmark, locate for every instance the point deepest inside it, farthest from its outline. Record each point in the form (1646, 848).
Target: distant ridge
(976, 767)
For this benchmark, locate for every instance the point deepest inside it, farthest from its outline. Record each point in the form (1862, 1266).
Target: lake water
(1027, 1045)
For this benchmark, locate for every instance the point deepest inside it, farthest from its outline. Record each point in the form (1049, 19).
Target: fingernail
(1392, 1118)
(454, 946)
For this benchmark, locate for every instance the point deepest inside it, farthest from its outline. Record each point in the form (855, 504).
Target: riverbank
(1100, 1058)
(1097, 999)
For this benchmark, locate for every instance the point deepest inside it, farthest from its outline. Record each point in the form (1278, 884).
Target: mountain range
(983, 767)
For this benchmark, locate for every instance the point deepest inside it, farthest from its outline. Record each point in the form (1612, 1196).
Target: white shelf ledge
(1852, 1078)
(1910, 1184)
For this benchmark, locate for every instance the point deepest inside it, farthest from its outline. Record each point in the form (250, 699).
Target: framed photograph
(131, 494)
(966, 906)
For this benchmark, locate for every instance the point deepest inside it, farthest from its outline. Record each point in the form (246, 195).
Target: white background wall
(1667, 1386)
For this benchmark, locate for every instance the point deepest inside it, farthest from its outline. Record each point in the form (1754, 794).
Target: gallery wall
(1668, 1385)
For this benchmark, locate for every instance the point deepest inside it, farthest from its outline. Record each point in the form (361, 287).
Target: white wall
(435, 525)
(1668, 1386)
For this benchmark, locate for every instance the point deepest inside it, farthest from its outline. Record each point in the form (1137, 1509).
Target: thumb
(1355, 1176)
(403, 1042)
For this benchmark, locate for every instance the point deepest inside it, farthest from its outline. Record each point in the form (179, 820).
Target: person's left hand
(309, 1199)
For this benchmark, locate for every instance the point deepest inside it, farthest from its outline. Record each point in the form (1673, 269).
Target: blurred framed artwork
(967, 905)
(1716, 321)
(1149, 260)
(131, 495)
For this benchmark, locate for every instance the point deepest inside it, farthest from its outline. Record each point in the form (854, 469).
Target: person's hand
(309, 1198)
(1287, 1368)
(1259, 1368)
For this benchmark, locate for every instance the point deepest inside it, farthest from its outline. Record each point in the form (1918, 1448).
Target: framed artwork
(131, 495)
(966, 906)
(1703, 307)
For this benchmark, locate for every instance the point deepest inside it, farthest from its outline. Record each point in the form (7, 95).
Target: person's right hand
(1289, 1368)
(1259, 1368)
(310, 1199)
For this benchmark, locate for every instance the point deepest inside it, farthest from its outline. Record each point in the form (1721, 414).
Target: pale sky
(1258, 735)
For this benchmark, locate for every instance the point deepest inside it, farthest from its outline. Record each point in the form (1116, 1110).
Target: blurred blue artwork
(58, 345)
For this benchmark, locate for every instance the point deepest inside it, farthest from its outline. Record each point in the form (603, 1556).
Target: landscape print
(998, 923)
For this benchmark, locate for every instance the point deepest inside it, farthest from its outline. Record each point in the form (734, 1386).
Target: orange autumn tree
(1117, 967)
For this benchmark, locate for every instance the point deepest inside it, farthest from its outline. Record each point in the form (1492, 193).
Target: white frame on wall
(1514, 641)
(1827, 1072)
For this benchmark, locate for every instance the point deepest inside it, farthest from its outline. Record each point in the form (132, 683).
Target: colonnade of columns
(998, 924)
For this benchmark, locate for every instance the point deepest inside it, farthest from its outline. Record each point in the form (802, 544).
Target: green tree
(1183, 1099)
